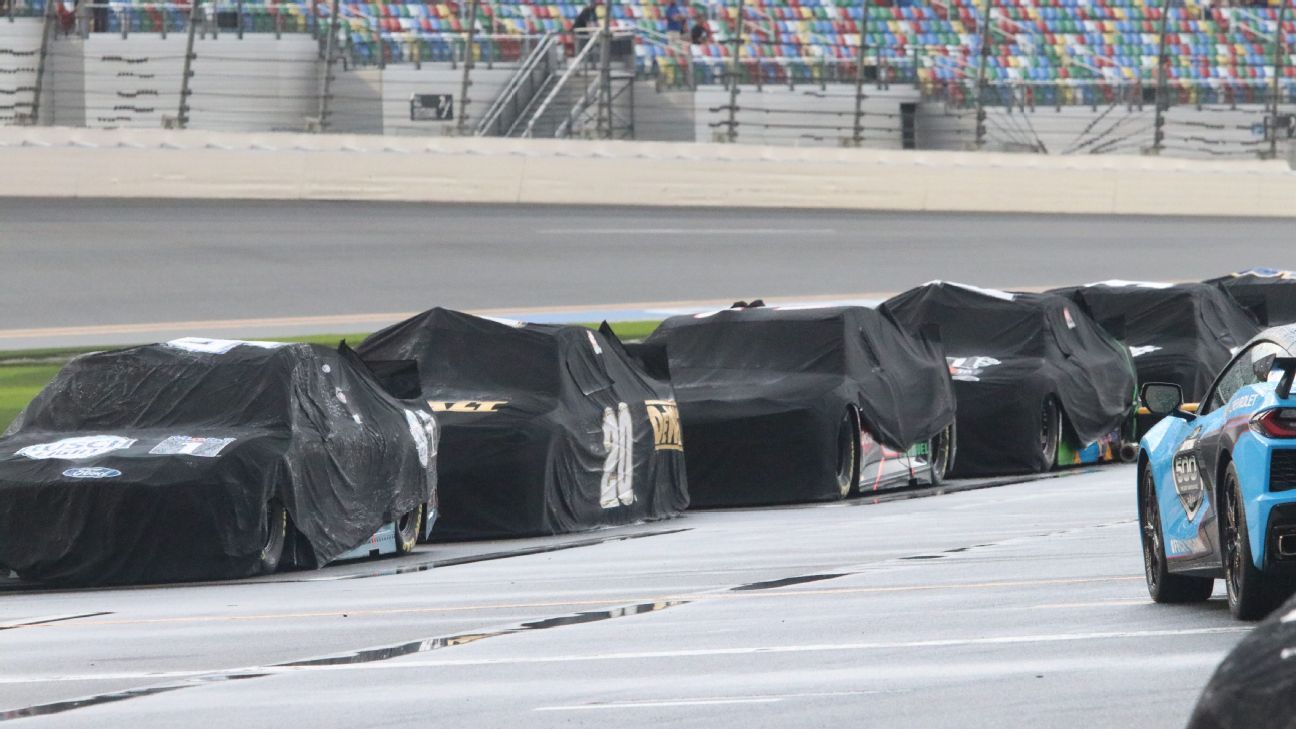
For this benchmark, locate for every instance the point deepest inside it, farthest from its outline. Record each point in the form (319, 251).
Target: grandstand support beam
(603, 121)
(735, 47)
(857, 136)
(461, 115)
(982, 58)
(186, 71)
(1280, 53)
(326, 86)
(1162, 95)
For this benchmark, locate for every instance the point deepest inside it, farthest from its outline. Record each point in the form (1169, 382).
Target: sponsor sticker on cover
(71, 449)
(94, 472)
(184, 445)
(1146, 349)
(423, 429)
(969, 369)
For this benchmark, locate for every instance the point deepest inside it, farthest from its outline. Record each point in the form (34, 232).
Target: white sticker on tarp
(1066, 313)
(593, 342)
(202, 345)
(617, 485)
(422, 428)
(184, 445)
(506, 322)
(969, 369)
(1140, 351)
(71, 449)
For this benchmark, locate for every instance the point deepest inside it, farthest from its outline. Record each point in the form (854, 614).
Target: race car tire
(1251, 595)
(408, 528)
(1163, 586)
(848, 453)
(276, 537)
(1050, 433)
(940, 452)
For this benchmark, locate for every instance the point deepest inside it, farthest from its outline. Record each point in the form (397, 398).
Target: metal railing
(536, 68)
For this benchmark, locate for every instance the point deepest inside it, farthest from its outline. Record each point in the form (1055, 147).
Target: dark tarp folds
(762, 393)
(546, 429)
(157, 463)
(1179, 333)
(1008, 353)
(1255, 686)
(1268, 294)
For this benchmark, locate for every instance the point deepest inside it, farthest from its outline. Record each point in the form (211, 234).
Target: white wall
(19, 56)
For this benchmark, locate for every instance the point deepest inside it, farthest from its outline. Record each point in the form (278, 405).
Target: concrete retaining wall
(178, 164)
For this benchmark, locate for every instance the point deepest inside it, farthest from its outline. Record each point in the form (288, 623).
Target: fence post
(1280, 53)
(461, 122)
(860, 55)
(735, 44)
(329, 42)
(982, 58)
(604, 119)
(1162, 98)
(182, 116)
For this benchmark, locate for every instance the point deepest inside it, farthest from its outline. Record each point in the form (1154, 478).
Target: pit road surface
(1017, 606)
(67, 265)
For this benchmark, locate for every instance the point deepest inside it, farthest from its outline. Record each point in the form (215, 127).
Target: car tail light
(1276, 423)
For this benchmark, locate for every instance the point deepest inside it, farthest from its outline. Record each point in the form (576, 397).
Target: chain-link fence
(1149, 77)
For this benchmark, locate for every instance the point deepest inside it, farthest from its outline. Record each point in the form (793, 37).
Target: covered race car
(206, 459)
(1038, 383)
(1268, 294)
(546, 429)
(1180, 333)
(1217, 489)
(810, 404)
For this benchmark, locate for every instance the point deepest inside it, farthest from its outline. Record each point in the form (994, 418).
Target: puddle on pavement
(370, 655)
(423, 646)
(787, 581)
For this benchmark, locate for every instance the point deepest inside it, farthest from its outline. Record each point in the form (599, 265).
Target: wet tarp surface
(763, 391)
(157, 463)
(1179, 333)
(1008, 353)
(1268, 294)
(546, 429)
(1255, 686)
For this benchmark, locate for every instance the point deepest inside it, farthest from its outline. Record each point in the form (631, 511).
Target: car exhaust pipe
(1128, 452)
(1287, 545)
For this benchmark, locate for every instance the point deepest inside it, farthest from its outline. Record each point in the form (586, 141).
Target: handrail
(572, 66)
(514, 85)
(564, 129)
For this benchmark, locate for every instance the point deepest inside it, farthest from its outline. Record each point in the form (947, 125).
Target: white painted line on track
(660, 704)
(397, 664)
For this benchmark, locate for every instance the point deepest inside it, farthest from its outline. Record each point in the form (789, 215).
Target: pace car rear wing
(1288, 367)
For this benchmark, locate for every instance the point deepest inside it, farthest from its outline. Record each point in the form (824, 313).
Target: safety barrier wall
(63, 162)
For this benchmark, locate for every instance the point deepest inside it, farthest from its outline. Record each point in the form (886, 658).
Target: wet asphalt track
(1016, 606)
(76, 264)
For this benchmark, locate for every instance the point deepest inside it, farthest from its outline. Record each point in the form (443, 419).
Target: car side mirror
(1161, 398)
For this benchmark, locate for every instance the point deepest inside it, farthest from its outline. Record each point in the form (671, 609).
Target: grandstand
(1099, 54)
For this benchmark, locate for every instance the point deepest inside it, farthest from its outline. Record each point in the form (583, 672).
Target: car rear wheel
(940, 454)
(848, 447)
(1050, 433)
(1162, 585)
(276, 536)
(408, 528)
(1251, 594)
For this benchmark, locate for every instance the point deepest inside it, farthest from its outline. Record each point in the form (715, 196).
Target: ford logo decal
(94, 472)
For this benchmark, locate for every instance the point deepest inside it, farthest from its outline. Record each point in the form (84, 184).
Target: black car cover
(763, 393)
(157, 463)
(1268, 294)
(546, 428)
(1179, 333)
(1255, 686)
(1008, 354)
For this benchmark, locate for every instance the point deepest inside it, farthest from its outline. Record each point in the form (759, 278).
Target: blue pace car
(1217, 487)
